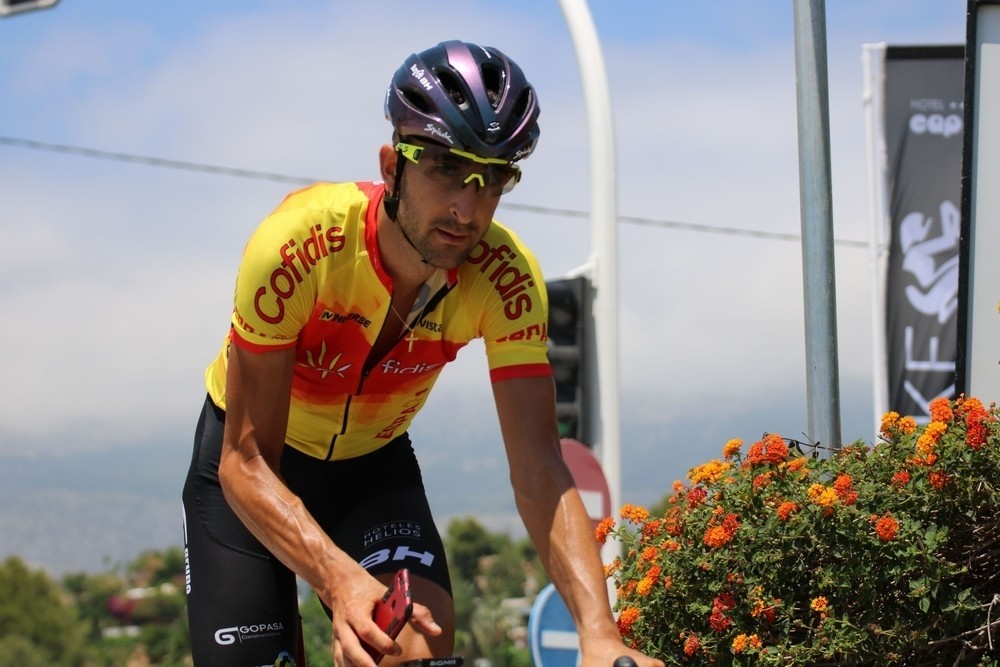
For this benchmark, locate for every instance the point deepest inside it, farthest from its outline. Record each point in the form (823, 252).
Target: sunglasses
(454, 169)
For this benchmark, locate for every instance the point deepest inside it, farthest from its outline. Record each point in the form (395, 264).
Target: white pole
(873, 57)
(603, 365)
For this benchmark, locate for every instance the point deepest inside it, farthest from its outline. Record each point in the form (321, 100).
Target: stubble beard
(438, 255)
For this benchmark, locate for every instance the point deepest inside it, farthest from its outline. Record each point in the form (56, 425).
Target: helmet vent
(523, 102)
(493, 83)
(417, 99)
(450, 84)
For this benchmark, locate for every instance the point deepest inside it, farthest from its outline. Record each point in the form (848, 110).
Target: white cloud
(117, 277)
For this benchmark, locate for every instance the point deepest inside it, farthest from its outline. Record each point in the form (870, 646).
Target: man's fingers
(423, 621)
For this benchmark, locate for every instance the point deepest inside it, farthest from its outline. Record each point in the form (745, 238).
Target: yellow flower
(732, 448)
(819, 604)
(708, 473)
(890, 421)
(822, 495)
(907, 425)
(930, 437)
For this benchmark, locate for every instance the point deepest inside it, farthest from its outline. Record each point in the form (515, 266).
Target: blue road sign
(551, 633)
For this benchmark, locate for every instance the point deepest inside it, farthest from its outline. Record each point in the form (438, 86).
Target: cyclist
(349, 300)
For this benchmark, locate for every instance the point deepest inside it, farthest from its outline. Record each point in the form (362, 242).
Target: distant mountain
(95, 511)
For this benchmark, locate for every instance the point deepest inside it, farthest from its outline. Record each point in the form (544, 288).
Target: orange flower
(976, 422)
(844, 487)
(940, 410)
(907, 425)
(742, 642)
(604, 529)
(718, 619)
(652, 528)
(633, 513)
(901, 478)
(886, 527)
(696, 496)
(796, 464)
(718, 535)
(626, 620)
(645, 585)
(939, 480)
(670, 545)
(786, 509)
(890, 422)
(927, 461)
(819, 604)
(672, 522)
(649, 554)
(965, 405)
(762, 481)
(691, 645)
(732, 448)
(772, 449)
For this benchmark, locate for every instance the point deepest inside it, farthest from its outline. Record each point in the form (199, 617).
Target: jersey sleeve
(274, 293)
(515, 325)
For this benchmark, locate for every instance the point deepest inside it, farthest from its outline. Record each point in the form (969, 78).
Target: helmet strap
(390, 202)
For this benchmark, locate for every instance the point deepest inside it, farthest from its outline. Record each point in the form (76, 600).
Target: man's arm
(258, 390)
(555, 517)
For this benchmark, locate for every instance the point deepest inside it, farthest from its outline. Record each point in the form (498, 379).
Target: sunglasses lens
(455, 169)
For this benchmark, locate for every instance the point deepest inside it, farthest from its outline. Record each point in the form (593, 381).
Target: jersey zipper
(367, 368)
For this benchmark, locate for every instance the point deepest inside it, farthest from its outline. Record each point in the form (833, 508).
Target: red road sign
(589, 478)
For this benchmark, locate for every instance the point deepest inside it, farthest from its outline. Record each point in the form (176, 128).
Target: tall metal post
(603, 367)
(822, 383)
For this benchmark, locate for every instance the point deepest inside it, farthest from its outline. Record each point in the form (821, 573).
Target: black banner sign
(924, 92)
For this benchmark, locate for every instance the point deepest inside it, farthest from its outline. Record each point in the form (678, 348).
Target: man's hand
(353, 627)
(613, 653)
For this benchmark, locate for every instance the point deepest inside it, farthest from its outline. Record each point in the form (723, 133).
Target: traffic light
(8, 7)
(569, 342)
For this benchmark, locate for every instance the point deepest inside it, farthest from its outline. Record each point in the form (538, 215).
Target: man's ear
(387, 166)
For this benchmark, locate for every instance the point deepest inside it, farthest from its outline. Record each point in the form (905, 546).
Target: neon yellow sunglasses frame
(412, 153)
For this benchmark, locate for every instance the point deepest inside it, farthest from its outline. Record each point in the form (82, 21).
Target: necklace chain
(409, 330)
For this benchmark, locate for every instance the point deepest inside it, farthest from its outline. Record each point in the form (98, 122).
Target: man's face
(447, 203)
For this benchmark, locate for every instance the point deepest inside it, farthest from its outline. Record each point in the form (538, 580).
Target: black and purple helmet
(465, 96)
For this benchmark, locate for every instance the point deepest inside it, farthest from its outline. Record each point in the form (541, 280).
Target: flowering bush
(872, 555)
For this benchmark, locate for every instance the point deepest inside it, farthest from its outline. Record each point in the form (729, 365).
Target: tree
(466, 542)
(486, 570)
(32, 609)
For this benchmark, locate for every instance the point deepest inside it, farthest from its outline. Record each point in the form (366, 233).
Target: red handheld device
(393, 610)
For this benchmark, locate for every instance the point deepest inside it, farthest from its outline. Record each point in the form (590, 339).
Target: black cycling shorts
(243, 602)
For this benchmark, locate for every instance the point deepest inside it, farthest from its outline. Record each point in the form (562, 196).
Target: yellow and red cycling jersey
(311, 278)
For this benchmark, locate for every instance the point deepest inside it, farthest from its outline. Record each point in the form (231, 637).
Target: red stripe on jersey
(521, 371)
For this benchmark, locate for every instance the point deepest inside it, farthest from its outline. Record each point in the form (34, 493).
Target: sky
(116, 276)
